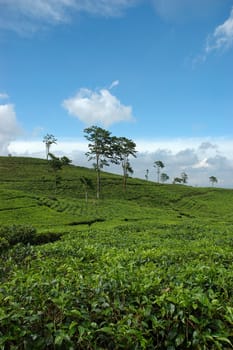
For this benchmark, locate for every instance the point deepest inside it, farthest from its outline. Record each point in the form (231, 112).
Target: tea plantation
(146, 268)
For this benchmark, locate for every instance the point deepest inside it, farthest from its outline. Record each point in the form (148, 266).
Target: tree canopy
(49, 139)
(105, 149)
(159, 165)
(213, 180)
(123, 148)
(100, 150)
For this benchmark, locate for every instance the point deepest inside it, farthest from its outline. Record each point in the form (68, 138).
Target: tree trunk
(98, 184)
(124, 182)
(124, 174)
(97, 176)
(47, 151)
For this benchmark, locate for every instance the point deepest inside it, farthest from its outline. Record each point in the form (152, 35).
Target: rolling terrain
(28, 196)
(146, 268)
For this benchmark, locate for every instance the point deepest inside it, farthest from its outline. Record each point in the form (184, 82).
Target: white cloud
(199, 158)
(114, 83)
(3, 96)
(105, 7)
(9, 127)
(30, 15)
(203, 163)
(99, 107)
(222, 37)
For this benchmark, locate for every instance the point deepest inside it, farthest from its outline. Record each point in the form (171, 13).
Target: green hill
(146, 268)
(27, 195)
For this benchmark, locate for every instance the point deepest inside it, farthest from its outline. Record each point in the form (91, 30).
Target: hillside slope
(28, 196)
(151, 268)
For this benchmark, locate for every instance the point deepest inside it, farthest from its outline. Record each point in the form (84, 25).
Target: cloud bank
(9, 127)
(98, 107)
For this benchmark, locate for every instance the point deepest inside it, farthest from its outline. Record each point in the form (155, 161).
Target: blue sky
(156, 71)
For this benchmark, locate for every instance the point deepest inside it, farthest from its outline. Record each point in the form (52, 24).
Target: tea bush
(46, 237)
(18, 234)
(124, 288)
(4, 244)
(150, 268)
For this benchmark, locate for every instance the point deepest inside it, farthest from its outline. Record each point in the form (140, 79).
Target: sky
(159, 72)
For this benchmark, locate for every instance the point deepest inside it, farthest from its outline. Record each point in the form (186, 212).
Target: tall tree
(164, 177)
(177, 180)
(123, 148)
(49, 139)
(184, 177)
(213, 180)
(159, 165)
(100, 150)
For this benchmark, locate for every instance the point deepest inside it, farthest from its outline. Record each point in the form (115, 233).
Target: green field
(146, 268)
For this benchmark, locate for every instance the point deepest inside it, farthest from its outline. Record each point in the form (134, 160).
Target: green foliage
(56, 165)
(46, 237)
(213, 180)
(184, 177)
(55, 162)
(100, 146)
(123, 148)
(65, 161)
(147, 174)
(164, 177)
(49, 139)
(159, 165)
(148, 269)
(12, 235)
(133, 287)
(100, 150)
(106, 149)
(4, 244)
(18, 234)
(177, 180)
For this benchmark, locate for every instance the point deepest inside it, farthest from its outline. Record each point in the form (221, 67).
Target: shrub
(12, 235)
(4, 244)
(46, 237)
(18, 234)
